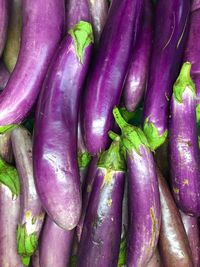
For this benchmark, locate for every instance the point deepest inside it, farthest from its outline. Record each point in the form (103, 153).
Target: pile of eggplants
(99, 133)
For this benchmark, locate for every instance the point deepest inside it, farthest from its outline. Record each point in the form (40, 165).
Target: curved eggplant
(183, 144)
(106, 78)
(4, 13)
(4, 76)
(6, 147)
(41, 32)
(55, 138)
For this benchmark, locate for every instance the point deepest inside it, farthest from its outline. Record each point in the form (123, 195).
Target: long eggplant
(31, 211)
(143, 195)
(171, 20)
(42, 28)
(55, 245)
(173, 242)
(100, 239)
(155, 261)
(4, 76)
(55, 139)
(138, 71)
(183, 144)
(4, 14)
(192, 230)
(12, 46)
(107, 74)
(6, 147)
(9, 210)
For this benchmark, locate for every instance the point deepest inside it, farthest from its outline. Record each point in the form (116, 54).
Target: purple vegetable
(139, 67)
(192, 229)
(171, 20)
(6, 147)
(4, 76)
(31, 211)
(100, 239)
(155, 261)
(195, 5)
(104, 87)
(4, 4)
(143, 195)
(183, 144)
(42, 28)
(35, 260)
(55, 245)
(55, 141)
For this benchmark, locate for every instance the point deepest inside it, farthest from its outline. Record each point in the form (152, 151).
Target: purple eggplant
(139, 67)
(195, 5)
(42, 28)
(4, 76)
(55, 245)
(171, 20)
(6, 147)
(143, 195)
(155, 261)
(9, 210)
(35, 259)
(192, 230)
(55, 138)
(100, 239)
(183, 144)
(4, 10)
(106, 78)
(31, 211)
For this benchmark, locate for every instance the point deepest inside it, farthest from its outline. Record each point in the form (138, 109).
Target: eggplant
(35, 259)
(138, 71)
(9, 210)
(174, 246)
(55, 137)
(172, 21)
(144, 214)
(4, 13)
(6, 147)
(12, 46)
(183, 144)
(107, 74)
(41, 32)
(31, 211)
(55, 245)
(192, 230)
(4, 76)
(100, 239)
(155, 261)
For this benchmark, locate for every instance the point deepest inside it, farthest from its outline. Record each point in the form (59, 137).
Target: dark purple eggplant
(107, 74)
(183, 144)
(4, 13)
(55, 137)
(100, 239)
(171, 27)
(144, 214)
(4, 76)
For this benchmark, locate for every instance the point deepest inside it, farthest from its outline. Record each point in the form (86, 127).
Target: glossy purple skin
(99, 13)
(137, 75)
(143, 207)
(4, 4)
(192, 230)
(105, 83)
(86, 193)
(55, 245)
(4, 76)
(55, 141)
(40, 38)
(168, 46)
(184, 154)
(155, 261)
(6, 147)
(100, 240)
(9, 210)
(35, 259)
(192, 50)
(75, 11)
(29, 199)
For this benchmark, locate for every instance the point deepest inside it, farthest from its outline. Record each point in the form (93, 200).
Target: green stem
(113, 135)
(119, 119)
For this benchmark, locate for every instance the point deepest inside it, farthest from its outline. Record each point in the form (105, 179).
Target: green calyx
(83, 160)
(198, 112)
(122, 252)
(26, 244)
(113, 159)
(7, 128)
(155, 139)
(82, 35)
(183, 81)
(127, 115)
(9, 177)
(132, 137)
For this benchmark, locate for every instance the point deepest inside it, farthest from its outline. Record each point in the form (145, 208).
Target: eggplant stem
(119, 119)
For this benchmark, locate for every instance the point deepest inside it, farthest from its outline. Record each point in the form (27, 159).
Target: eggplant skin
(4, 76)
(4, 13)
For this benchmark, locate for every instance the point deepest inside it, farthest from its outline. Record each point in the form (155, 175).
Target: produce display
(100, 133)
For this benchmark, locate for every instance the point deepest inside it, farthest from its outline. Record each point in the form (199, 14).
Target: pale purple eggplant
(139, 67)
(183, 144)
(100, 239)
(144, 216)
(55, 137)
(155, 261)
(4, 14)
(31, 211)
(41, 32)
(55, 245)
(171, 28)
(192, 230)
(6, 147)
(4, 76)
(107, 74)
(35, 259)
(195, 5)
